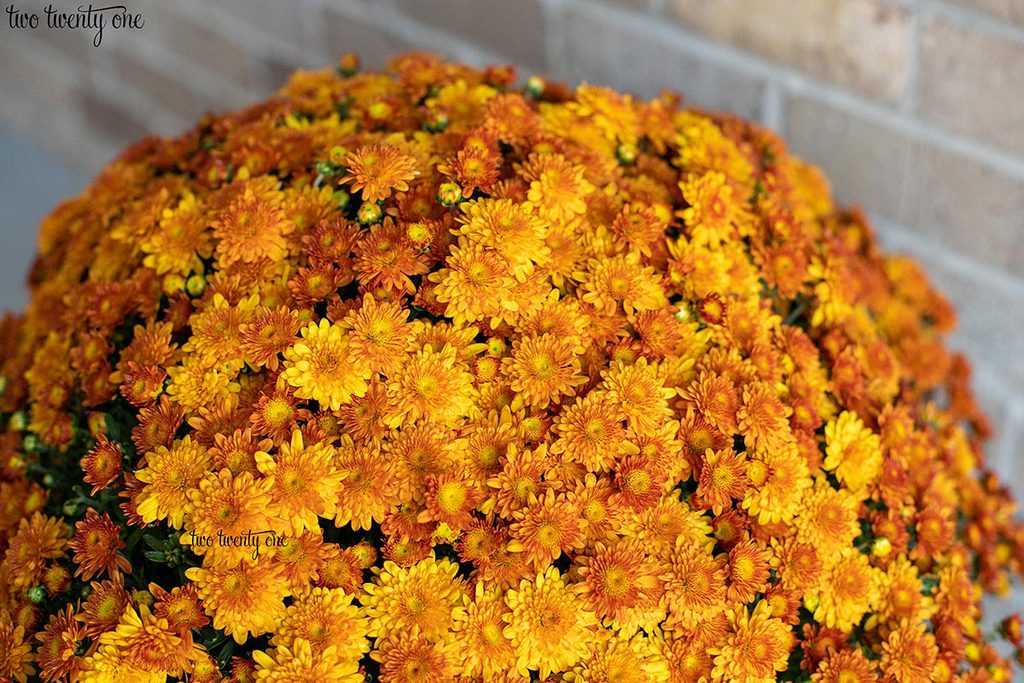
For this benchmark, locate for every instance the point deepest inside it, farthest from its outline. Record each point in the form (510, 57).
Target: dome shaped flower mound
(420, 376)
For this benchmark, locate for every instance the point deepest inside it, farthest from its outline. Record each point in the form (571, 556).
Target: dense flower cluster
(419, 376)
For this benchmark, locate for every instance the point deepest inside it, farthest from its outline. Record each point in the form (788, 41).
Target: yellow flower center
(492, 633)
(543, 367)
(743, 570)
(615, 581)
(638, 482)
(548, 534)
(451, 496)
(426, 387)
(524, 486)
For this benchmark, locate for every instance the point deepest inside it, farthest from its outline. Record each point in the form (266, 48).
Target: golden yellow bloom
(432, 386)
(225, 505)
(325, 618)
(508, 230)
(473, 284)
(321, 366)
(909, 653)
(622, 657)
(427, 596)
(827, 518)
(756, 650)
(300, 661)
(557, 186)
(304, 484)
(244, 599)
(853, 451)
(379, 334)
(148, 644)
(547, 624)
(542, 370)
(169, 476)
(621, 281)
(849, 588)
(480, 630)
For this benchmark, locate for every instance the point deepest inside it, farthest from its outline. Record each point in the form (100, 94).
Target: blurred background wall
(915, 109)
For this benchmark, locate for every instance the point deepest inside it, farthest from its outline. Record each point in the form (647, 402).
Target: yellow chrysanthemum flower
(244, 599)
(304, 483)
(853, 451)
(321, 366)
(169, 476)
(547, 624)
(426, 596)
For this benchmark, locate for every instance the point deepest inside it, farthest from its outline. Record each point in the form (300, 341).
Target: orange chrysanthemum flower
(547, 529)
(226, 505)
(303, 483)
(723, 477)
(431, 385)
(253, 226)
(325, 618)
(542, 370)
(145, 642)
(101, 466)
(301, 662)
(369, 487)
(378, 170)
(104, 606)
(411, 655)
(849, 588)
(622, 281)
(180, 607)
(61, 644)
(909, 653)
(97, 545)
(845, 666)
(589, 432)
(694, 584)
(852, 451)
(379, 333)
(507, 229)
(480, 628)
(757, 648)
(748, 571)
(243, 599)
(267, 334)
(37, 540)
(828, 518)
(620, 582)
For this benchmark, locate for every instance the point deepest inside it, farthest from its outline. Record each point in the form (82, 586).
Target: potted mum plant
(421, 376)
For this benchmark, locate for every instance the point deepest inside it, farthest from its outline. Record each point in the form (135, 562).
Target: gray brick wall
(913, 107)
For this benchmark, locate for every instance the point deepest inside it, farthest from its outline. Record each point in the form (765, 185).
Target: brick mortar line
(973, 20)
(796, 82)
(901, 237)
